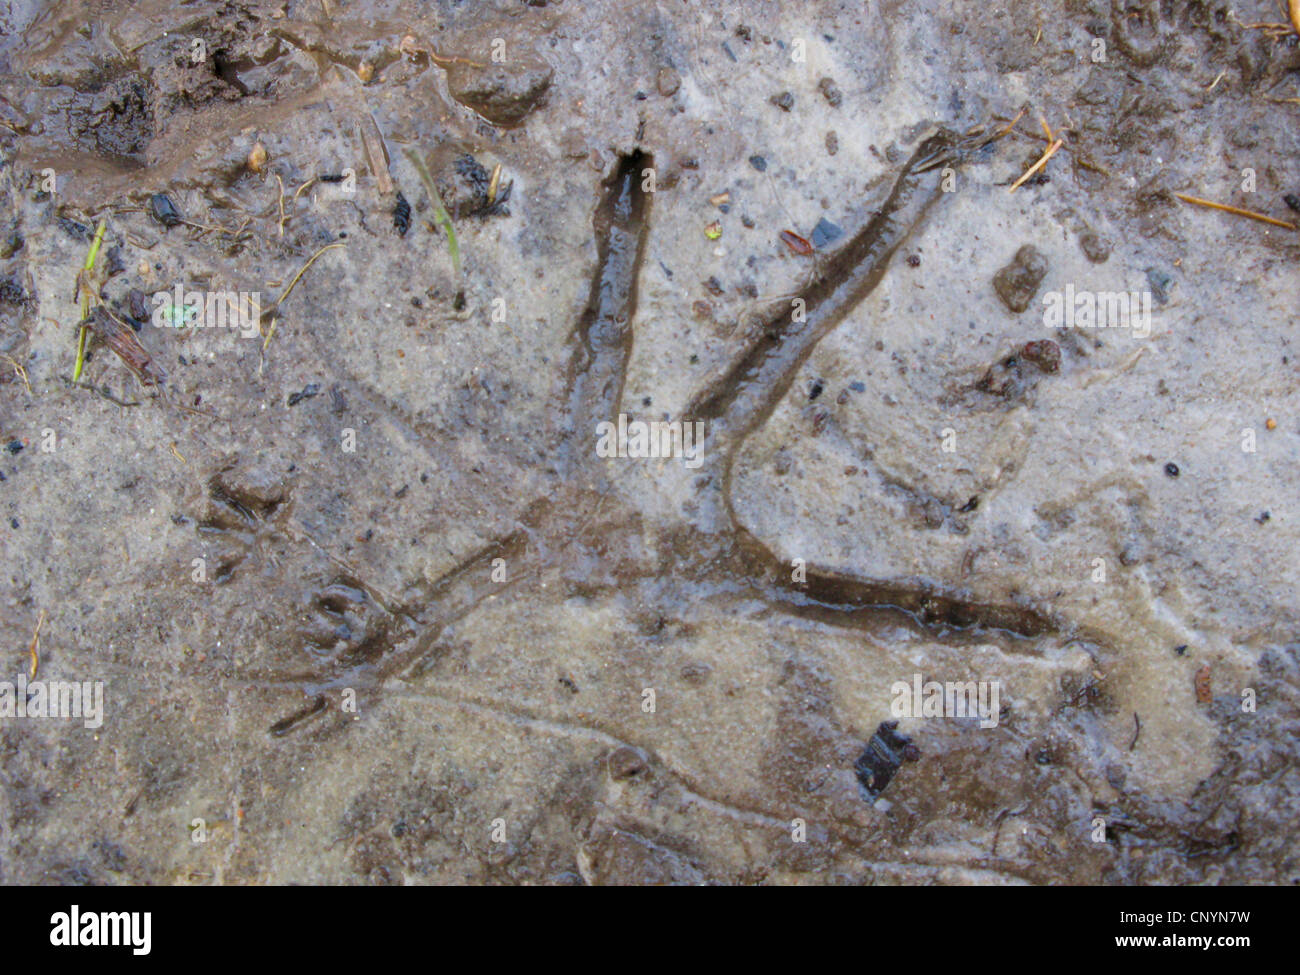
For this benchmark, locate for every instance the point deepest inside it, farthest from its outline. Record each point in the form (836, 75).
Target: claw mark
(603, 335)
(285, 725)
(746, 395)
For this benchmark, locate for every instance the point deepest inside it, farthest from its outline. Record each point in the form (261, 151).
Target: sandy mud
(332, 521)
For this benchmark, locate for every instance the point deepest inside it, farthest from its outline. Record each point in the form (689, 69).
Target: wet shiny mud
(427, 605)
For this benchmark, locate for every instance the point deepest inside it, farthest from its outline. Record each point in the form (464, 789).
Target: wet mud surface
(368, 605)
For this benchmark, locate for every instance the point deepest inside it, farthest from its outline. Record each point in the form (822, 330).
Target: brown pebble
(668, 82)
(1017, 282)
(1204, 693)
(1044, 353)
(626, 762)
(696, 672)
(1095, 247)
(257, 158)
(832, 143)
(831, 92)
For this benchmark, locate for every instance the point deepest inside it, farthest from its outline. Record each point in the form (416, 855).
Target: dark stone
(883, 757)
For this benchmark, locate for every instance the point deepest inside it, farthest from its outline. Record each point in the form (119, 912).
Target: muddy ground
(367, 606)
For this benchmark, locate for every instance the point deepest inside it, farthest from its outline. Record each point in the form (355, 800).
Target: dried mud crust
(518, 698)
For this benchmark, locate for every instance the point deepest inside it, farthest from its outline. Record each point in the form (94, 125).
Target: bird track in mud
(722, 553)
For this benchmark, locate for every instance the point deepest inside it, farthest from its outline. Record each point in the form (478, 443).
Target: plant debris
(1226, 208)
(372, 142)
(444, 219)
(1042, 161)
(796, 243)
(108, 329)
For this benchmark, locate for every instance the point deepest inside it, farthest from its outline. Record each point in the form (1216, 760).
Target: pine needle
(1051, 151)
(1226, 208)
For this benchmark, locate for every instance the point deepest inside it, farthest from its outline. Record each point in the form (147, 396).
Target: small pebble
(831, 92)
(1171, 469)
(1017, 282)
(1095, 247)
(668, 82)
(825, 233)
(759, 163)
(626, 763)
(1043, 353)
(1160, 282)
(257, 158)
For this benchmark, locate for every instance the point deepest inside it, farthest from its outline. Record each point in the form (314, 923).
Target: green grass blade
(87, 268)
(439, 210)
